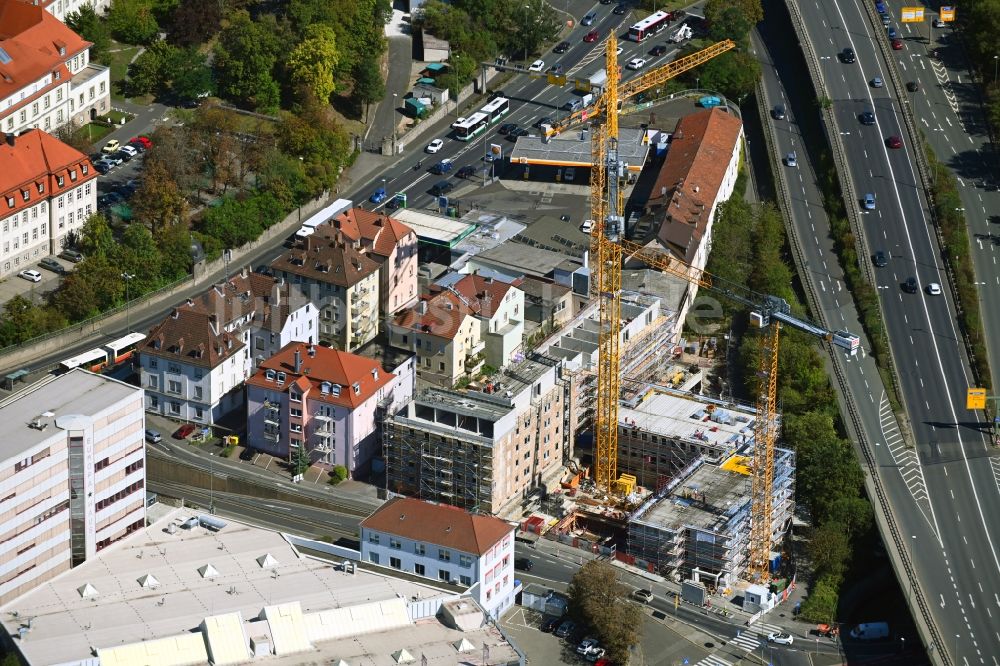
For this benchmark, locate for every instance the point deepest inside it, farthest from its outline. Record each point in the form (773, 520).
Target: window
(175, 407)
(444, 555)
(465, 580)
(489, 595)
(373, 558)
(198, 392)
(444, 575)
(373, 538)
(395, 543)
(418, 569)
(419, 549)
(395, 563)
(295, 397)
(152, 363)
(173, 386)
(465, 561)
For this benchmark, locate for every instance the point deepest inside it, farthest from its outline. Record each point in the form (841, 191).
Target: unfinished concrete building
(483, 449)
(697, 524)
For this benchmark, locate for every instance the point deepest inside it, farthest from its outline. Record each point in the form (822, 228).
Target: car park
(891, 32)
(71, 255)
(378, 196)
(591, 36)
(877, 82)
(113, 160)
(880, 259)
(184, 431)
(30, 275)
(934, 289)
(52, 265)
(894, 142)
(791, 159)
(466, 172)
(507, 128)
(442, 167)
(847, 56)
(441, 187)
(636, 63)
(619, 9)
(645, 596)
(658, 50)
(565, 629)
(123, 156)
(869, 201)
(897, 45)
(910, 286)
(778, 112)
(780, 638)
(867, 118)
(434, 146)
(586, 645)
(523, 563)
(111, 146)
(589, 18)
(537, 66)
(153, 436)
(561, 47)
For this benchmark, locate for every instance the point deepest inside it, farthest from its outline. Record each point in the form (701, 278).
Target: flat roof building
(572, 149)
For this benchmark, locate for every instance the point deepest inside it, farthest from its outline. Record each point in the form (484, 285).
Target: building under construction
(484, 449)
(697, 524)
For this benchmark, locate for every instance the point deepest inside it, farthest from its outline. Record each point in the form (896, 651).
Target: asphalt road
(954, 492)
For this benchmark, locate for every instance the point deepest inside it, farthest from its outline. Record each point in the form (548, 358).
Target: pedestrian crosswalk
(749, 638)
(712, 660)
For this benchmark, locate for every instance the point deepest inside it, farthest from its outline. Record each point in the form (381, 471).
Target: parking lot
(659, 646)
(37, 292)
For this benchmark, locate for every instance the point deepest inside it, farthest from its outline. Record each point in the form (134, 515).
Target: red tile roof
(323, 364)
(442, 311)
(438, 524)
(323, 259)
(191, 337)
(244, 294)
(379, 234)
(483, 294)
(691, 176)
(36, 164)
(37, 44)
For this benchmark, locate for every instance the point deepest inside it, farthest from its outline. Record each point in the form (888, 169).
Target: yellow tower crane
(609, 247)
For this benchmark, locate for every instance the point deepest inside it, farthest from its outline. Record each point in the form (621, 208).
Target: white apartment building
(194, 363)
(72, 475)
(445, 543)
(61, 8)
(46, 77)
(47, 191)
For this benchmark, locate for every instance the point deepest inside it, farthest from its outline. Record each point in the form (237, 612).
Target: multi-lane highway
(944, 505)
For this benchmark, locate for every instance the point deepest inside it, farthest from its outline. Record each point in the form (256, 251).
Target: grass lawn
(93, 132)
(119, 56)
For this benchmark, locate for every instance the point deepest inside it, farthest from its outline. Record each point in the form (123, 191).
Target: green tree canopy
(91, 27)
(133, 21)
(245, 56)
(599, 600)
(368, 84)
(312, 63)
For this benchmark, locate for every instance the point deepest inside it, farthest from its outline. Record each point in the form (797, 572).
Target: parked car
(658, 50)
(595, 655)
(123, 156)
(544, 120)
(891, 32)
(894, 142)
(102, 167)
(143, 140)
(113, 160)
(153, 436)
(507, 128)
(434, 146)
(938, 23)
(537, 66)
(780, 638)
(847, 56)
(550, 624)
(566, 628)
(442, 167)
(645, 596)
(441, 187)
(131, 151)
(71, 255)
(586, 645)
(184, 431)
(709, 101)
(52, 265)
(591, 36)
(111, 146)
(561, 47)
(589, 18)
(587, 226)
(636, 63)
(466, 172)
(523, 563)
(30, 275)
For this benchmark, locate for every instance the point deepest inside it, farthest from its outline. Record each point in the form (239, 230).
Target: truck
(682, 33)
(595, 83)
(870, 631)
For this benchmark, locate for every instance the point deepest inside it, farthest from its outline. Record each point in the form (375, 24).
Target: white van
(870, 631)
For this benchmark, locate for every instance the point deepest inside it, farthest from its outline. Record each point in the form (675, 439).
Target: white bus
(496, 109)
(94, 360)
(123, 348)
(649, 26)
(471, 127)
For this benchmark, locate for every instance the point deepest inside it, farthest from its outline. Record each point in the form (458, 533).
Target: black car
(867, 118)
(544, 120)
(441, 187)
(523, 563)
(507, 128)
(124, 156)
(466, 172)
(549, 625)
(102, 167)
(658, 50)
(495, 94)
(561, 47)
(619, 9)
(912, 86)
(880, 259)
(910, 286)
(606, 2)
(847, 55)
(778, 112)
(520, 131)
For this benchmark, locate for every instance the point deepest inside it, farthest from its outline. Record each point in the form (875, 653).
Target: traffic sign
(975, 398)
(947, 14)
(912, 15)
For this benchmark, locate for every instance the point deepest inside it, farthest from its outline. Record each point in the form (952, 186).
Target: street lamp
(996, 59)
(128, 278)
(913, 540)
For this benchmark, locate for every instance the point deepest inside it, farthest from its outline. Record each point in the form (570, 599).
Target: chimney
(298, 361)
(488, 279)
(11, 139)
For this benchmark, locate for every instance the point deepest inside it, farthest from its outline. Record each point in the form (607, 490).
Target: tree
(133, 21)
(190, 75)
(71, 135)
(530, 23)
(76, 298)
(300, 461)
(139, 256)
(151, 70)
(20, 321)
(158, 202)
(92, 28)
(734, 74)
(245, 56)
(195, 22)
(96, 237)
(729, 22)
(829, 549)
(312, 63)
(174, 242)
(599, 600)
(368, 84)
(751, 10)
(215, 130)
(821, 603)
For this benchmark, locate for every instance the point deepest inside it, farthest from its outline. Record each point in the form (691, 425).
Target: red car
(897, 45)
(144, 140)
(184, 431)
(894, 142)
(591, 36)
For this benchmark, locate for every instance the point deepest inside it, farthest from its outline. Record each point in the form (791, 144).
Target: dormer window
(41, 187)
(72, 175)
(84, 169)
(60, 180)
(357, 388)
(335, 390)
(324, 388)
(281, 377)
(10, 202)
(375, 374)
(62, 50)
(26, 194)
(269, 375)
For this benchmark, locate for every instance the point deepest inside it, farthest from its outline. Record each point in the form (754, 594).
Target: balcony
(476, 348)
(272, 435)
